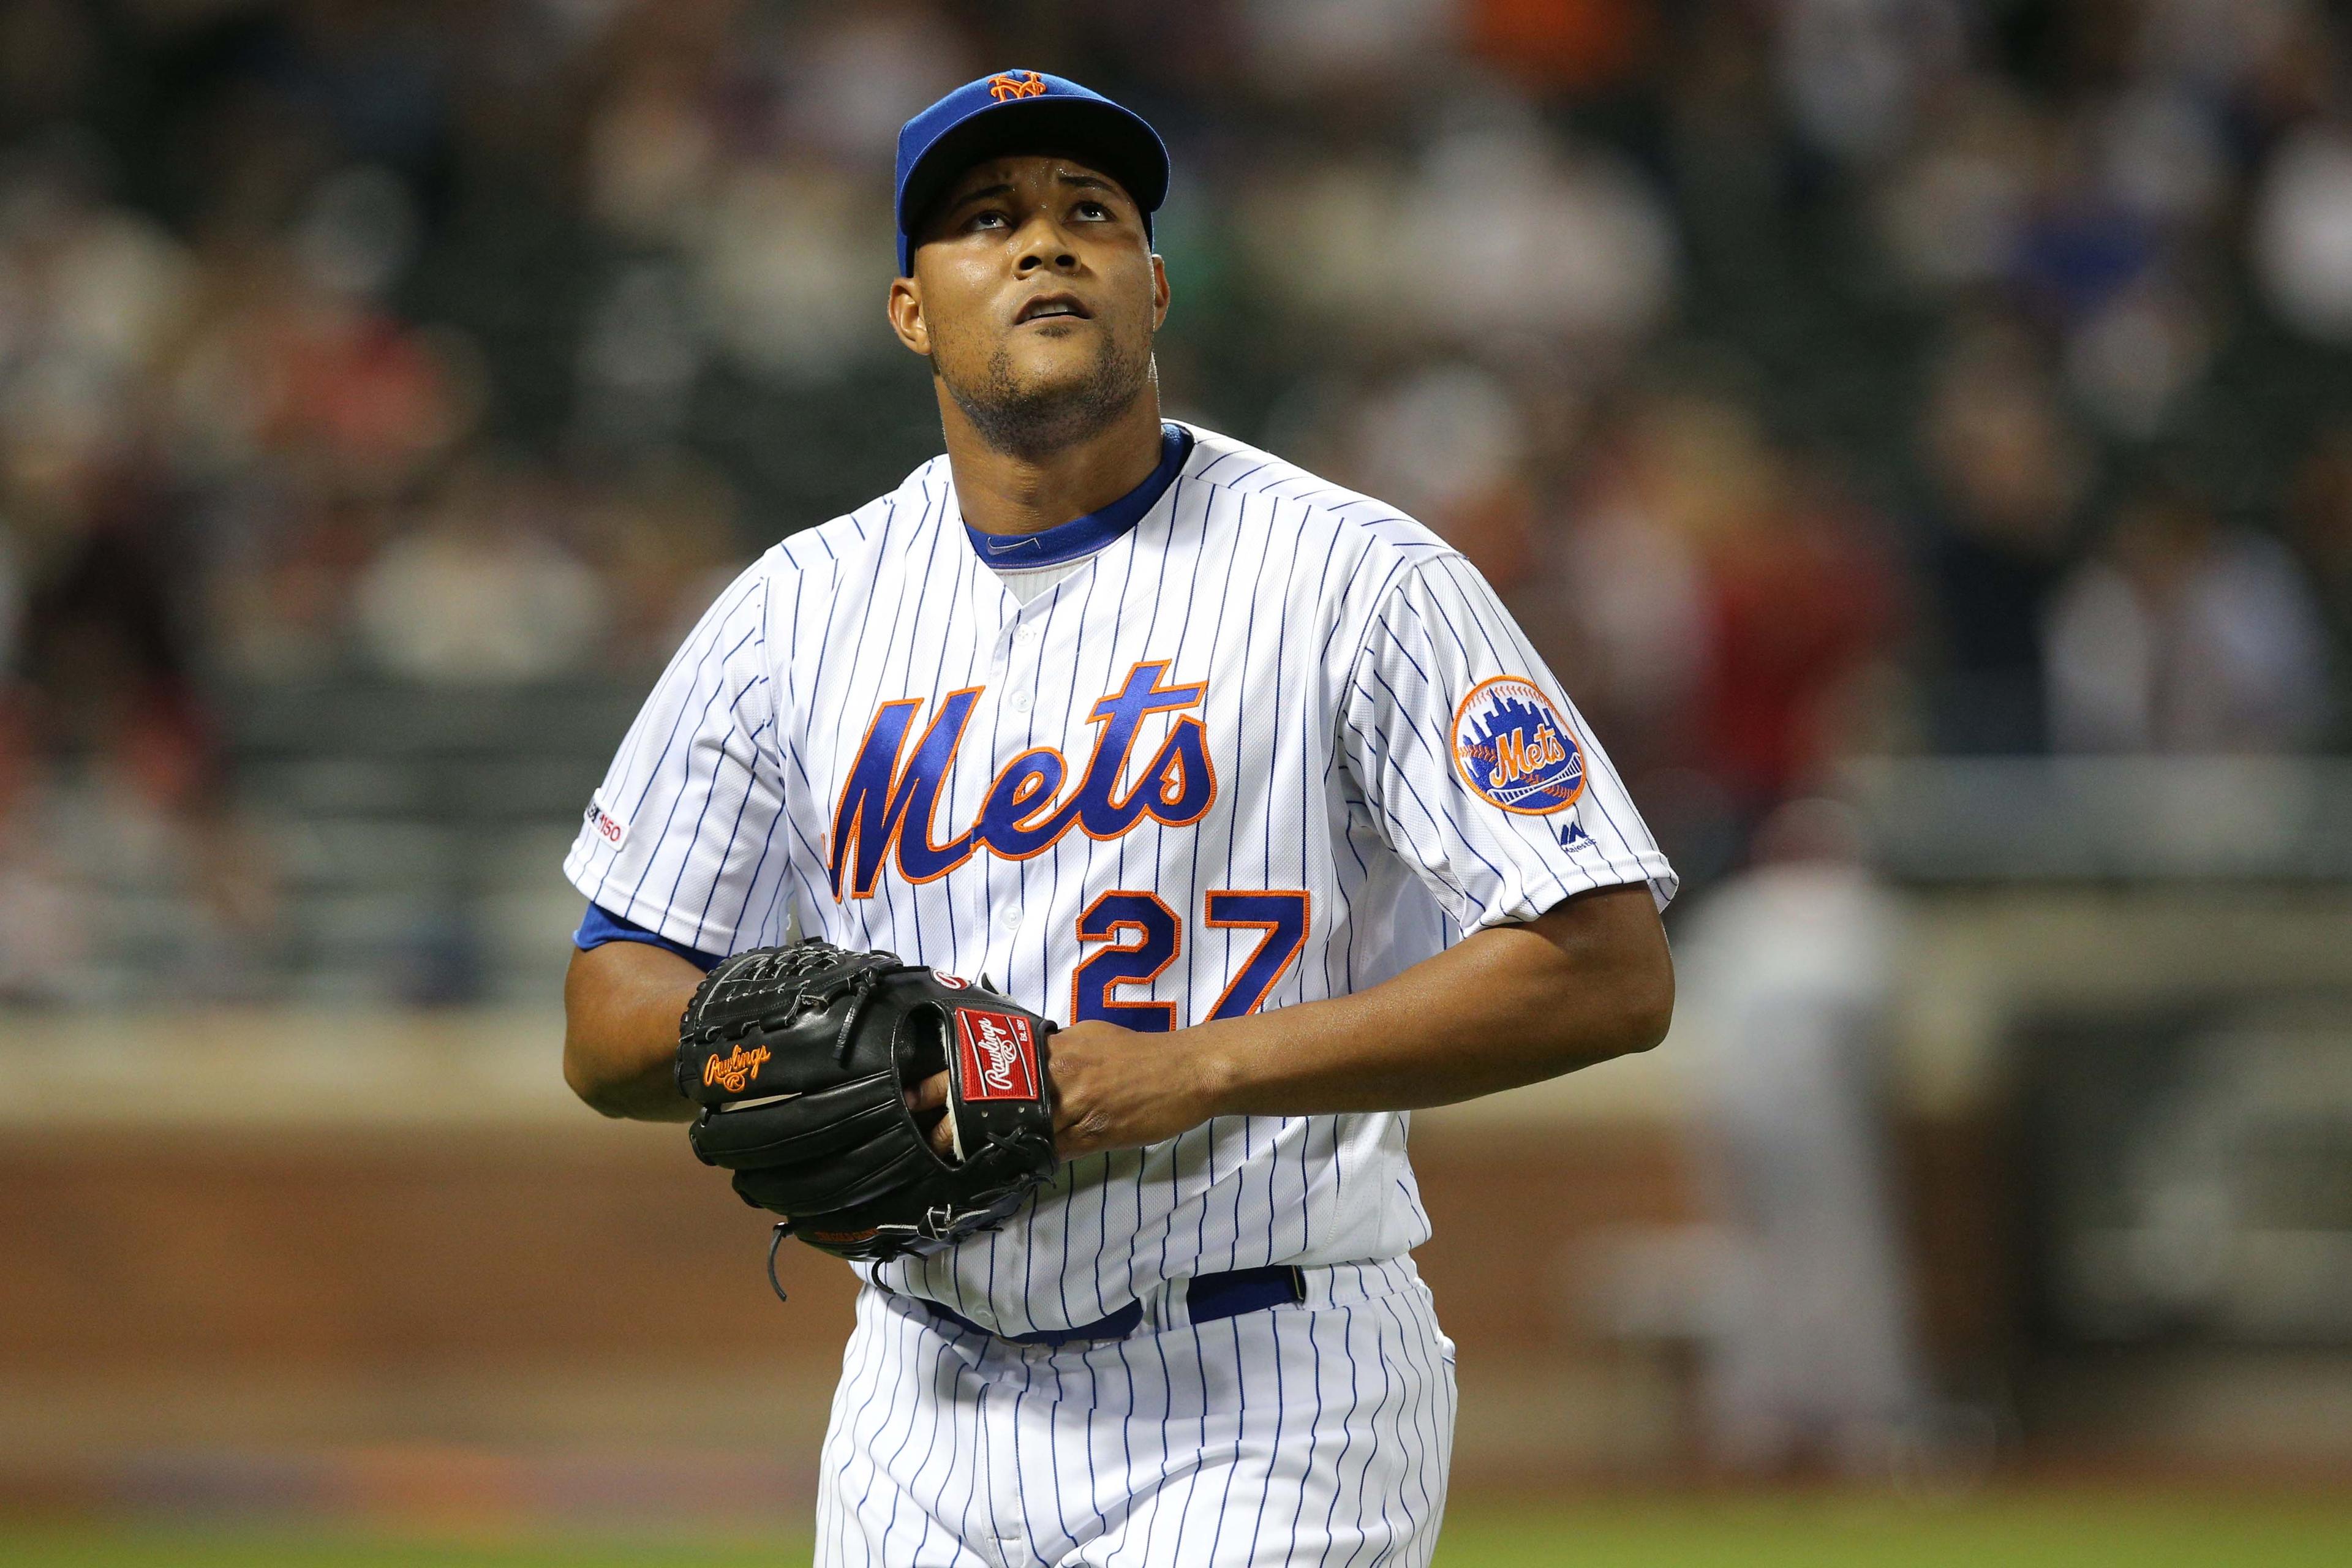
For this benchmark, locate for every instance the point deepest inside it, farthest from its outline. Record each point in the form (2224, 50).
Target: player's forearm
(1589, 980)
(622, 1003)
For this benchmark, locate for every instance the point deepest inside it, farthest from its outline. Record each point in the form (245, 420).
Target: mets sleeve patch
(1513, 749)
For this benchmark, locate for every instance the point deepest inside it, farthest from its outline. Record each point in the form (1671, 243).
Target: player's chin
(1055, 347)
(1047, 370)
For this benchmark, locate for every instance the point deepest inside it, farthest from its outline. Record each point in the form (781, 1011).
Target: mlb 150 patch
(609, 828)
(1513, 748)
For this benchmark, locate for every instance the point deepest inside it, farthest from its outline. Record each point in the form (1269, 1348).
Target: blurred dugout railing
(412, 839)
(423, 831)
(2038, 819)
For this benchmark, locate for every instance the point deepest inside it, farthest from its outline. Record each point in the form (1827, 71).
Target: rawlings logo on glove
(802, 1058)
(999, 1058)
(733, 1070)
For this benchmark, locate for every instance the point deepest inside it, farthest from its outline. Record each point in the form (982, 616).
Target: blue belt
(1207, 1296)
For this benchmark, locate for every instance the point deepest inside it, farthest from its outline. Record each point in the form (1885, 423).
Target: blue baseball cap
(1022, 111)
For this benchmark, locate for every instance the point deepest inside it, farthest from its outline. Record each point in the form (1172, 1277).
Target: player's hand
(1112, 1088)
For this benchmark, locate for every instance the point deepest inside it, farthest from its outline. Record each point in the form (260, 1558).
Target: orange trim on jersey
(1109, 930)
(1305, 929)
(924, 827)
(840, 845)
(1046, 807)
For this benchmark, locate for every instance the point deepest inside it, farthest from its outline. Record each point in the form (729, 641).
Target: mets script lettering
(887, 797)
(1517, 756)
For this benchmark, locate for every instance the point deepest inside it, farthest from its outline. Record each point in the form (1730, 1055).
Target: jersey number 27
(1141, 936)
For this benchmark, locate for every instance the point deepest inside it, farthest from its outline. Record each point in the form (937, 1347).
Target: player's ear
(1158, 292)
(906, 312)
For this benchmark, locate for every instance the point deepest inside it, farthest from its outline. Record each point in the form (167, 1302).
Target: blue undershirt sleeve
(600, 925)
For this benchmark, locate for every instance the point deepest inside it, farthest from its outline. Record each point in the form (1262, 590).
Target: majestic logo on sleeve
(996, 1056)
(1513, 748)
(889, 796)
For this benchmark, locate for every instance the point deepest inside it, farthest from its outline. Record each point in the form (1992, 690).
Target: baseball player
(1244, 781)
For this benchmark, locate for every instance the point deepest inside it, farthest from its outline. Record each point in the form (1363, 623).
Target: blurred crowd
(1813, 377)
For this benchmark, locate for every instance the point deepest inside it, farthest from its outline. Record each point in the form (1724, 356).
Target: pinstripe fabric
(1313, 1435)
(1330, 641)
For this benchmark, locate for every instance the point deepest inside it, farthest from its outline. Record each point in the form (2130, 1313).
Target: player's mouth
(1053, 308)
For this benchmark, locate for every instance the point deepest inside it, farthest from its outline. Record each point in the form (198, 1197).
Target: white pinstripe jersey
(1275, 743)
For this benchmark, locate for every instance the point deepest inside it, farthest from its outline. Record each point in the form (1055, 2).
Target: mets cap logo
(1007, 85)
(1513, 748)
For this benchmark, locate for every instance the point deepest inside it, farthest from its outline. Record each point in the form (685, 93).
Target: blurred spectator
(482, 592)
(851, 75)
(1801, 609)
(45, 934)
(1786, 972)
(1952, 215)
(789, 268)
(2302, 232)
(2179, 634)
(1576, 45)
(1720, 610)
(651, 149)
(664, 542)
(1501, 235)
(1299, 45)
(2008, 477)
(640, 356)
(1632, 572)
(1449, 445)
(2320, 512)
(299, 366)
(1854, 71)
(1510, 232)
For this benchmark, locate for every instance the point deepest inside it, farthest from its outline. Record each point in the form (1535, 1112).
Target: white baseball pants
(1310, 1433)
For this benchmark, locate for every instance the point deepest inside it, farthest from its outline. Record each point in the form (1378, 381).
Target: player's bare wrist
(1217, 1072)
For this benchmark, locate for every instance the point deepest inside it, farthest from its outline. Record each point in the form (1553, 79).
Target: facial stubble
(1034, 420)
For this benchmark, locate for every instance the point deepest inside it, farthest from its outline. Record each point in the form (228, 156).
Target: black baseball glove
(801, 1057)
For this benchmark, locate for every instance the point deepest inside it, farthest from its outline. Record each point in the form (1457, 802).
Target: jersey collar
(1084, 535)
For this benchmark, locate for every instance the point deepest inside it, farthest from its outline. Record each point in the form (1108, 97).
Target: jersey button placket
(1019, 666)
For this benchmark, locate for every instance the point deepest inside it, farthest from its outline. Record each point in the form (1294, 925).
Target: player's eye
(987, 217)
(1093, 210)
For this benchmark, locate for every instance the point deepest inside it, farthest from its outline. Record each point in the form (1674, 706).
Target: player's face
(1036, 296)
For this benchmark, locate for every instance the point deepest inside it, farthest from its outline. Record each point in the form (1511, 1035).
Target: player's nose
(1043, 245)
